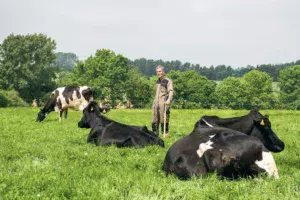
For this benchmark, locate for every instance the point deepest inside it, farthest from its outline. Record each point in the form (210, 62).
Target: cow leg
(89, 138)
(60, 114)
(92, 139)
(66, 113)
(94, 136)
(219, 161)
(119, 142)
(126, 143)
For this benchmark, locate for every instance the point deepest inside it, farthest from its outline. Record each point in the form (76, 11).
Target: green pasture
(51, 160)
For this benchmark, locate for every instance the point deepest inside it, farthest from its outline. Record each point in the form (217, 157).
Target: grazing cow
(231, 154)
(105, 131)
(254, 124)
(74, 97)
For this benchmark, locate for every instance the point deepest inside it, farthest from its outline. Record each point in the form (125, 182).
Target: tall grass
(51, 160)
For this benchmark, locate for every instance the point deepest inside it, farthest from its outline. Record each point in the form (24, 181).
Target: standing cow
(63, 98)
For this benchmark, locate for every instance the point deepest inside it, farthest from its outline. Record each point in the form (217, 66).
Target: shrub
(11, 98)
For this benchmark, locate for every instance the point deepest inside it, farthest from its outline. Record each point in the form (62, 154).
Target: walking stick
(165, 120)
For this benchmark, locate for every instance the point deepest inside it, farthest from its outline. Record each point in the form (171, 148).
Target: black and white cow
(63, 98)
(229, 153)
(105, 131)
(254, 123)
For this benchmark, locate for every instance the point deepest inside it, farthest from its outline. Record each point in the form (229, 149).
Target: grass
(51, 160)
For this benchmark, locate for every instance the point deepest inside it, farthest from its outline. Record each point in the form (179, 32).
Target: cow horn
(262, 122)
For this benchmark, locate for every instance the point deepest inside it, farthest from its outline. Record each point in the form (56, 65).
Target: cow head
(41, 116)
(264, 132)
(90, 114)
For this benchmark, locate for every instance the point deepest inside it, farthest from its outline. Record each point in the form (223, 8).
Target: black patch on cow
(59, 104)
(87, 94)
(68, 93)
(49, 106)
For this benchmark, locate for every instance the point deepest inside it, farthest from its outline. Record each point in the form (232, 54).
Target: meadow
(51, 160)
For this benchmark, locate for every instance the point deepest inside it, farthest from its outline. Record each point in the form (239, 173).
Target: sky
(206, 32)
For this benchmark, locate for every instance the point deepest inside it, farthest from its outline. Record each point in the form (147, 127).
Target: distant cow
(229, 153)
(254, 124)
(63, 98)
(106, 131)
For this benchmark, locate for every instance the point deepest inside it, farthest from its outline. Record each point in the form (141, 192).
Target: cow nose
(279, 148)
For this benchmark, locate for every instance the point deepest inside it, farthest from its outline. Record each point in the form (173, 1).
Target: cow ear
(257, 116)
(267, 116)
(92, 109)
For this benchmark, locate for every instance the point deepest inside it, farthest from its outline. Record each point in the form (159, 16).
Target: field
(51, 160)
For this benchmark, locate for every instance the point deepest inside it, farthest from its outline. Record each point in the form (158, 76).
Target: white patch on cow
(268, 164)
(208, 124)
(211, 136)
(204, 147)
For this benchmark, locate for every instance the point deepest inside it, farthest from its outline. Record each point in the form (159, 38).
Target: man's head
(160, 71)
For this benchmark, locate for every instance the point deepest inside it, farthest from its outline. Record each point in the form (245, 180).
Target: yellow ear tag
(262, 123)
(92, 108)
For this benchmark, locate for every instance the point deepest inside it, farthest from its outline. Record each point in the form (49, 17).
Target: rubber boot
(155, 128)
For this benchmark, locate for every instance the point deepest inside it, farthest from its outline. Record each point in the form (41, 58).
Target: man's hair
(160, 67)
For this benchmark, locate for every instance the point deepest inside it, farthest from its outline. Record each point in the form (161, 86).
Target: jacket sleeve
(170, 90)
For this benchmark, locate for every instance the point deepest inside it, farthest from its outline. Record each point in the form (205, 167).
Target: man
(162, 101)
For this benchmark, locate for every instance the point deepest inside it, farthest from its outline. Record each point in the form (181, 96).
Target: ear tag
(262, 123)
(92, 109)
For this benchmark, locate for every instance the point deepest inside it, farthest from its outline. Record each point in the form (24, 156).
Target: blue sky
(205, 32)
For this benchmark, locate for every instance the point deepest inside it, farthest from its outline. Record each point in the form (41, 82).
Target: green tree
(64, 78)
(191, 90)
(106, 72)
(25, 65)
(258, 89)
(289, 83)
(253, 90)
(230, 93)
(65, 61)
(139, 91)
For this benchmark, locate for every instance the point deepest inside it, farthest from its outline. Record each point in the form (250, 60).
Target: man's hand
(168, 102)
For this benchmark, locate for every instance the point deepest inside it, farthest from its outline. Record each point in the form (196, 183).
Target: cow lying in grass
(105, 131)
(254, 123)
(229, 153)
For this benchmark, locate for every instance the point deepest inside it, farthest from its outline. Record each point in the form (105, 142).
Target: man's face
(160, 73)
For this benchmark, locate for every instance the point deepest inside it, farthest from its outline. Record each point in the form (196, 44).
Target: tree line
(219, 72)
(30, 69)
